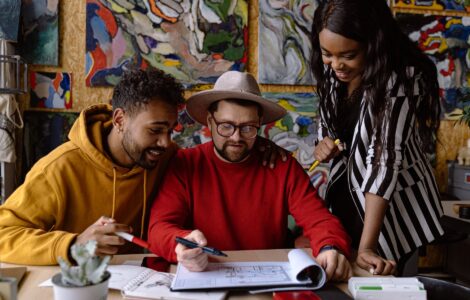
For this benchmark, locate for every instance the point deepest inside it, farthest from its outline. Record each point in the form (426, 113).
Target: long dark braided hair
(387, 50)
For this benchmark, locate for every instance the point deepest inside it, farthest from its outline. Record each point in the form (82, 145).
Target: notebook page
(157, 286)
(305, 268)
(121, 275)
(235, 274)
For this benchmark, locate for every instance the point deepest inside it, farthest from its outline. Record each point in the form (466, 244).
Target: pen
(317, 162)
(192, 245)
(129, 237)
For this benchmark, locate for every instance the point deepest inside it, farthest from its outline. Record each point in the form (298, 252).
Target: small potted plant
(88, 280)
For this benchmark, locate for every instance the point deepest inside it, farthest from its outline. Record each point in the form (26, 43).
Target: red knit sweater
(238, 206)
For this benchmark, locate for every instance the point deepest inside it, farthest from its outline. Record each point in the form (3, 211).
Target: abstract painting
(43, 132)
(284, 47)
(446, 41)
(297, 130)
(9, 19)
(51, 90)
(195, 41)
(40, 40)
(439, 5)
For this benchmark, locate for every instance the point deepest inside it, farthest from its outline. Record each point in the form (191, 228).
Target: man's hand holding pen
(195, 260)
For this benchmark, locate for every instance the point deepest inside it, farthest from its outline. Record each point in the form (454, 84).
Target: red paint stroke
(244, 59)
(107, 16)
(98, 62)
(56, 81)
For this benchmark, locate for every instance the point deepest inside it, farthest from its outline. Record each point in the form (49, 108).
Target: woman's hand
(368, 260)
(327, 149)
(271, 151)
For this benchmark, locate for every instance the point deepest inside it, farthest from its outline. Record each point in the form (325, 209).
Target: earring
(119, 129)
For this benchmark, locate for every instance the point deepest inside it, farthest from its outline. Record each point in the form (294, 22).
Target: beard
(233, 156)
(139, 154)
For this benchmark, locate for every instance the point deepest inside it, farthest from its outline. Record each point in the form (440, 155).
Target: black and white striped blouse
(403, 176)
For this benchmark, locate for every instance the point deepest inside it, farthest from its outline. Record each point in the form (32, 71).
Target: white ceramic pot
(91, 292)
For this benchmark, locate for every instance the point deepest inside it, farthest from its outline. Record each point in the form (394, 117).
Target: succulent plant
(90, 269)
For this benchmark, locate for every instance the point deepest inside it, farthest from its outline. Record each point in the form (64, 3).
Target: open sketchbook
(300, 272)
(140, 282)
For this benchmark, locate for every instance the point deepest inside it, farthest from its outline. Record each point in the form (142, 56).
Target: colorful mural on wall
(195, 41)
(297, 131)
(284, 47)
(439, 5)
(446, 41)
(51, 90)
(40, 40)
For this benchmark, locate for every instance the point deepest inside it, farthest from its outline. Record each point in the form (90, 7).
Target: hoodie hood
(89, 133)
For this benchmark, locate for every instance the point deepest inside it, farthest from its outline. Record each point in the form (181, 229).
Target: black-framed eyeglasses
(227, 129)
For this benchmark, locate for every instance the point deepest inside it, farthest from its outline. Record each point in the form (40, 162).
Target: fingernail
(271, 166)
(372, 271)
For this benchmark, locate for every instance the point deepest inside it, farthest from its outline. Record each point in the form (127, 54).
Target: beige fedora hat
(233, 85)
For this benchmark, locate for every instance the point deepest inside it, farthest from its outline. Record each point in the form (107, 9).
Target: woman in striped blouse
(379, 97)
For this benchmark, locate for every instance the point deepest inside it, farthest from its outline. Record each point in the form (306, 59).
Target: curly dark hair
(387, 50)
(138, 87)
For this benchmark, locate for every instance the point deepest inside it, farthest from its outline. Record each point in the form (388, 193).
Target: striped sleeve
(322, 131)
(381, 176)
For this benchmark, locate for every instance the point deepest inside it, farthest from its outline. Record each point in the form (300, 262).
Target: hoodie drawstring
(144, 205)
(114, 192)
(144, 200)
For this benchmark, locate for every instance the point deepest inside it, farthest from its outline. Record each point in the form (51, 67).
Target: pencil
(317, 162)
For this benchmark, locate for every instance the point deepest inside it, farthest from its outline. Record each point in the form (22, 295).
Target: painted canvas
(446, 41)
(9, 19)
(195, 41)
(284, 47)
(40, 40)
(43, 132)
(439, 5)
(51, 90)
(297, 131)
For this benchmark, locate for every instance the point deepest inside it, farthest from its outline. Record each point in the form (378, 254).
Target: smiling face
(345, 56)
(147, 133)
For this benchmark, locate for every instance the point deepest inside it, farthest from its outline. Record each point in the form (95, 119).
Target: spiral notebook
(141, 282)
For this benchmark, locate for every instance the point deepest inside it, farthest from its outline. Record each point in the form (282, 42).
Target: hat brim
(198, 104)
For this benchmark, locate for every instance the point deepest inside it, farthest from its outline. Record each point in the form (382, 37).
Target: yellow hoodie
(69, 189)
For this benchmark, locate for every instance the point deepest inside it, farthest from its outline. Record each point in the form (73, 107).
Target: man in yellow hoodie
(110, 167)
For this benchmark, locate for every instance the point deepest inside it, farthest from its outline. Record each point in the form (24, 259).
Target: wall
(72, 16)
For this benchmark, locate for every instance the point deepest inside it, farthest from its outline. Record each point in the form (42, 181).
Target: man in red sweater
(219, 193)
